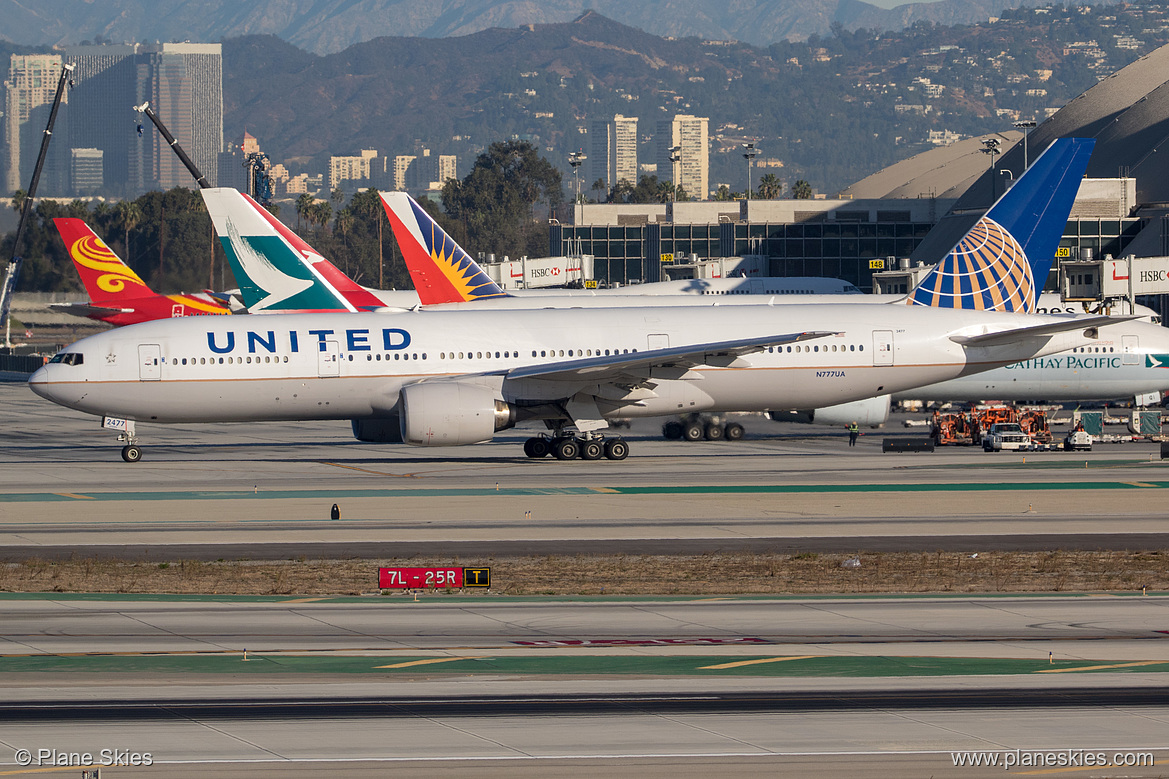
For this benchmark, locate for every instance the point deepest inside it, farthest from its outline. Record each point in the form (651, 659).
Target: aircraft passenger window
(542, 353)
(478, 355)
(570, 352)
(414, 356)
(220, 360)
(606, 352)
(861, 348)
(184, 361)
(424, 355)
(230, 361)
(496, 356)
(286, 358)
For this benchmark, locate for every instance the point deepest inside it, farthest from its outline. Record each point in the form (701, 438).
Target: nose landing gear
(131, 452)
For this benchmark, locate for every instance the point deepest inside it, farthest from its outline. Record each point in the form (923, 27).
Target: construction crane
(12, 274)
(170, 139)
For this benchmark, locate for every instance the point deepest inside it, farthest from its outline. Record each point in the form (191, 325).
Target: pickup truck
(1005, 435)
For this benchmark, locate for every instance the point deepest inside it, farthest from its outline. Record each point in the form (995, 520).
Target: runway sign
(424, 578)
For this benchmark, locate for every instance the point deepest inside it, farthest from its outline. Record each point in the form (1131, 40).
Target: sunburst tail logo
(441, 270)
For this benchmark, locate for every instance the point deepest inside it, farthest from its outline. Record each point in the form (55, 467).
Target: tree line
(167, 238)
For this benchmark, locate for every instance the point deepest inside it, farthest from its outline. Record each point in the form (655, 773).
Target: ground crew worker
(853, 431)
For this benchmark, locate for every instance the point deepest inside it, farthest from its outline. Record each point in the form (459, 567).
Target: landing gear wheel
(734, 432)
(693, 431)
(566, 449)
(672, 430)
(131, 453)
(536, 448)
(592, 450)
(616, 449)
(713, 431)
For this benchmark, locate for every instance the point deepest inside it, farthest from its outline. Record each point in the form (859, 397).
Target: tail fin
(106, 278)
(275, 268)
(441, 270)
(1003, 262)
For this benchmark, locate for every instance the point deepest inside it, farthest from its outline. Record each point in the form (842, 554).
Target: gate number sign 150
(422, 578)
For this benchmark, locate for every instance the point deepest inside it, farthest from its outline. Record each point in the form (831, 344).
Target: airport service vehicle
(117, 295)
(1078, 440)
(1005, 435)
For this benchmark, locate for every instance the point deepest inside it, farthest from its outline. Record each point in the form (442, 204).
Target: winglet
(442, 272)
(1003, 262)
(106, 278)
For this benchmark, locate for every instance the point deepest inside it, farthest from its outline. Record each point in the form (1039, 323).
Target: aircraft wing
(609, 367)
(88, 309)
(1017, 334)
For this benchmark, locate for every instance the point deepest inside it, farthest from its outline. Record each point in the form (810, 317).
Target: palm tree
(18, 198)
(802, 190)
(303, 204)
(769, 186)
(127, 214)
(600, 188)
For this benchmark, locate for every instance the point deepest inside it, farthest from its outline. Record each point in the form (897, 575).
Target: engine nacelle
(871, 412)
(451, 413)
(378, 431)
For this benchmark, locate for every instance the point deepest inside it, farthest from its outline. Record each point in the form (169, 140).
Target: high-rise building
(357, 168)
(105, 90)
(86, 170)
(612, 151)
(184, 84)
(29, 91)
(691, 170)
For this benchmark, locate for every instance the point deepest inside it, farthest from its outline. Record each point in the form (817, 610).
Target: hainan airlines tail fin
(275, 268)
(1003, 262)
(107, 279)
(442, 272)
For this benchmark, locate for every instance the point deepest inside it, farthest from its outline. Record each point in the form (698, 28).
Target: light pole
(675, 154)
(991, 146)
(576, 159)
(749, 152)
(1025, 126)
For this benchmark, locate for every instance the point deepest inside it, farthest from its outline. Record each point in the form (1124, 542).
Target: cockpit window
(68, 358)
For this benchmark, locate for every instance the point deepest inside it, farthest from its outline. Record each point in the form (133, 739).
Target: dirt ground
(713, 574)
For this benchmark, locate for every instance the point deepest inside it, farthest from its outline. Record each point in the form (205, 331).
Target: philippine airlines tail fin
(442, 272)
(1003, 262)
(275, 268)
(107, 279)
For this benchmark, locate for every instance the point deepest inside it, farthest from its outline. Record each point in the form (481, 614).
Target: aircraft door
(882, 347)
(329, 359)
(149, 362)
(1129, 345)
(657, 341)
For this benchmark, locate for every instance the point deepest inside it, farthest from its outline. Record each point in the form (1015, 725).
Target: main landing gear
(695, 427)
(572, 447)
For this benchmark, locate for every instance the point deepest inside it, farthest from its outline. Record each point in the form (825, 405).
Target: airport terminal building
(915, 209)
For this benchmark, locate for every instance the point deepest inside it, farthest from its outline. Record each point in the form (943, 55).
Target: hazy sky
(895, 3)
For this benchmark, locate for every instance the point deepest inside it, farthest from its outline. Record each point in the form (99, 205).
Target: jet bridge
(1108, 284)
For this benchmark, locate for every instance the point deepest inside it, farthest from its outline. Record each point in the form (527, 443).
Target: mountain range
(328, 26)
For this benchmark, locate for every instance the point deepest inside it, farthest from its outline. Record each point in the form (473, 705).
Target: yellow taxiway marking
(75, 496)
(367, 470)
(754, 662)
(303, 600)
(20, 771)
(1101, 667)
(1140, 484)
(431, 661)
(710, 600)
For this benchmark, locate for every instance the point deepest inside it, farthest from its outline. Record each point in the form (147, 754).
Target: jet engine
(871, 412)
(451, 413)
(378, 431)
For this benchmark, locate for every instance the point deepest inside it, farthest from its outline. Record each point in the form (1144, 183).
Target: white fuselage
(351, 366)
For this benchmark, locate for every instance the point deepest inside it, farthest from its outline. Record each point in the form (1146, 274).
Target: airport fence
(21, 363)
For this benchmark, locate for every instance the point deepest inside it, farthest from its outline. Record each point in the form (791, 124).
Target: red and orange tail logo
(104, 275)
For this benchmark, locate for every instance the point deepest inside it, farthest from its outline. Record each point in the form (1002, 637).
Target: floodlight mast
(12, 274)
(170, 139)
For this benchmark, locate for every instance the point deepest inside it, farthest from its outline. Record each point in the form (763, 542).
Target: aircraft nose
(40, 383)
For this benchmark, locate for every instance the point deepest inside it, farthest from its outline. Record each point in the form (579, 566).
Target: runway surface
(891, 686)
(682, 687)
(266, 490)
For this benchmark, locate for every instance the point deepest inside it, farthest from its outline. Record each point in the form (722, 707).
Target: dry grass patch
(711, 574)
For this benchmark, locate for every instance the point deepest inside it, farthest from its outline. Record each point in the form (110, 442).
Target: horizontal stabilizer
(1004, 337)
(88, 309)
